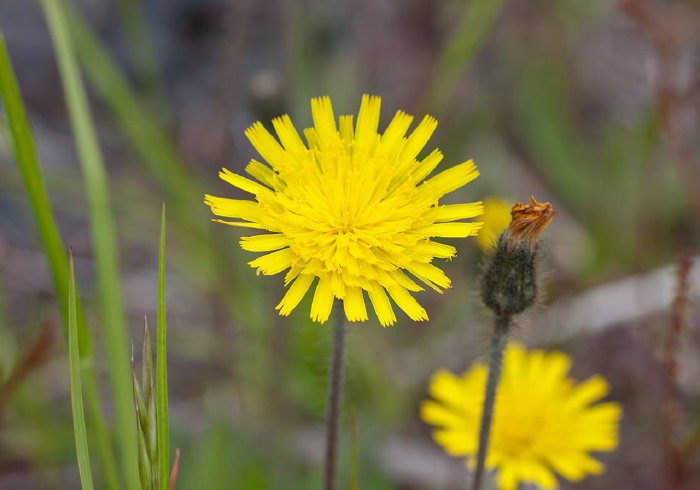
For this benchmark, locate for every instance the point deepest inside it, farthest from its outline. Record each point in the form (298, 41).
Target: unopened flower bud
(509, 285)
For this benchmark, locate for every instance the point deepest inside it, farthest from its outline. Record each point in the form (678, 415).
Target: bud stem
(335, 392)
(500, 336)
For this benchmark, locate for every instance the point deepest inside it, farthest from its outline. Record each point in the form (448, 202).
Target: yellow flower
(496, 218)
(350, 208)
(542, 421)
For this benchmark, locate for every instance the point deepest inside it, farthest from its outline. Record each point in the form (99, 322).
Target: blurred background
(593, 106)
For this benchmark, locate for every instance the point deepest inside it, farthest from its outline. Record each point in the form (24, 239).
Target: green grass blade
(76, 390)
(150, 142)
(103, 236)
(158, 154)
(479, 16)
(162, 422)
(24, 149)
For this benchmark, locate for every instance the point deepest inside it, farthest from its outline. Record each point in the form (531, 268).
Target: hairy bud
(509, 285)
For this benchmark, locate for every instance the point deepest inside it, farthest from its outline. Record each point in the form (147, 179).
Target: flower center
(520, 435)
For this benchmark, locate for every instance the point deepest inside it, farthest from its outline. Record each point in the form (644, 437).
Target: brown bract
(528, 222)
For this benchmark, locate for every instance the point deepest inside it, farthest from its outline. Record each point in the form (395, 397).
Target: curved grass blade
(24, 149)
(22, 145)
(76, 388)
(162, 422)
(159, 157)
(103, 236)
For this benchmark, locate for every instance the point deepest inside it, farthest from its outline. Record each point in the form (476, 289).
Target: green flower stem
(335, 392)
(500, 336)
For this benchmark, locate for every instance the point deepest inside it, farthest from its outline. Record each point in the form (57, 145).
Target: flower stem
(335, 392)
(500, 336)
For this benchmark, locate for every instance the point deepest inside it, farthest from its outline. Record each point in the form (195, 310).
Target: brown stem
(34, 357)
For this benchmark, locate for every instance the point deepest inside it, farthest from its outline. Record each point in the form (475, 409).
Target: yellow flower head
(349, 208)
(496, 218)
(542, 421)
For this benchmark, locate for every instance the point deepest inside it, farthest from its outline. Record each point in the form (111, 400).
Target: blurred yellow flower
(496, 218)
(351, 208)
(543, 421)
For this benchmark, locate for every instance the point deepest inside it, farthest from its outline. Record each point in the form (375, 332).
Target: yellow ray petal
(324, 121)
(591, 390)
(449, 180)
(312, 138)
(339, 285)
(439, 415)
(454, 442)
(263, 173)
(242, 224)
(275, 262)
(347, 132)
(417, 140)
(323, 301)
(450, 230)
(368, 121)
(242, 183)
(435, 249)
(266, 144)
(288, 134)
(264, 243)
(401, 278)
(407, 303)
(429, 274)
(453, 212)
(295, 294)
(392, 139)
(381, 304)
(423, 168)
(234, 208)
(293, 273)
(354, 305)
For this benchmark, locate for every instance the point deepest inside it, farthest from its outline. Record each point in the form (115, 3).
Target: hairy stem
(335, 392)
(500, 336)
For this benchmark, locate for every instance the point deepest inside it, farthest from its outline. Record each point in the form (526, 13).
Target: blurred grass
(459, 52)
(162, 160)
(103, 237)
(146, 134)
(134, 25)
(22, 145)
(24, 149)
(76, 386)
